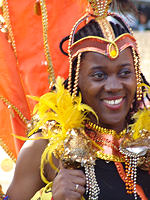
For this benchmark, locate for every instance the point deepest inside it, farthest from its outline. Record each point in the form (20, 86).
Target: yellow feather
(25, 139)
(67, 111)
(142, 121)
(146, 87)
(60, 106)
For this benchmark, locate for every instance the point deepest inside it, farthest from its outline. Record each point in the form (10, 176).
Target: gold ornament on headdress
(100, 10)
(107, 45)
(100, 7)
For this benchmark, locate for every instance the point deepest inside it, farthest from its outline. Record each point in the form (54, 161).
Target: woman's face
(108, 86)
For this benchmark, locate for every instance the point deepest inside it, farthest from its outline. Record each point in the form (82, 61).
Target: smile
(113, 102)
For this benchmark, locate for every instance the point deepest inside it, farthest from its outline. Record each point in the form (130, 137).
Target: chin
(113, 121)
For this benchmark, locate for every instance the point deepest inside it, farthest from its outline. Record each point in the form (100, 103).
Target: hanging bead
(75, 87)
(71, 40)
(131, 160)
(138, 75)
(92, 187)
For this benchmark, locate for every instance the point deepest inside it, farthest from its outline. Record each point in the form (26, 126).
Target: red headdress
(108, 45)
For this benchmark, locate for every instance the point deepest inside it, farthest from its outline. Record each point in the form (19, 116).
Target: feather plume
(142, 117)
(142, 122)
(146, 88)
(67, 111)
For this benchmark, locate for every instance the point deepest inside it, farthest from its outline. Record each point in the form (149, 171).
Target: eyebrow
(98, 67)
(125, 64)
(104, 67)
(120, 65)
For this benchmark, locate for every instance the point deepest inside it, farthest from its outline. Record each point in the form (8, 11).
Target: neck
(118, 127)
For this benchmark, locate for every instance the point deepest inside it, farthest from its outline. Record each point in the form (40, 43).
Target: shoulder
(27, 172)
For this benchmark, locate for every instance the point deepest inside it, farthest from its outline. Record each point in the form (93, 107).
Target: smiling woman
(93, 152)
(108, 87)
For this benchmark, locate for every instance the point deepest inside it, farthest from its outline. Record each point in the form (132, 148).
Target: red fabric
(12, 90)
(30, 75)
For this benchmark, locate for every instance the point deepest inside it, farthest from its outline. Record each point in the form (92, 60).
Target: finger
(79, 188)
(73, 172)
(79, 180)
(73, 196)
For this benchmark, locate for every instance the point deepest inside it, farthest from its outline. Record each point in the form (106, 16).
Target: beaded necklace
(107, 141)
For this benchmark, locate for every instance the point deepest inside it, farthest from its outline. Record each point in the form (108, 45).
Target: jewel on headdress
(113, 50)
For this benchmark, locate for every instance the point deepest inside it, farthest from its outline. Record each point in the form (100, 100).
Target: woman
(104, 67)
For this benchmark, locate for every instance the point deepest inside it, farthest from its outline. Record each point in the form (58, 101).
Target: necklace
(98, 128)
(107, 141)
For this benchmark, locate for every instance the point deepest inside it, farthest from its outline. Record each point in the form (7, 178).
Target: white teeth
(113, 102)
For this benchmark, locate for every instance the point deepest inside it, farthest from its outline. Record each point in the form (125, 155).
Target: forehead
(93, 57)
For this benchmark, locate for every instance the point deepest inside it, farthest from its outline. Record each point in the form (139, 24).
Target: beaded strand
(136, 58)
(10, 105)
(46, 45)
(6, 149)
(138, 75)
(71, 38)
(122, 175)
(8, 23)
(75, 86)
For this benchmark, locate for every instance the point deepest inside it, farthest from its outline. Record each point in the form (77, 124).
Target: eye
(98, 75)
(125, 73)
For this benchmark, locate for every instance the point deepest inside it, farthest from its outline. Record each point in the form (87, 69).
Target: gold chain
(45, 38)
(107, 131)
(8, 23)
(110, 157)
(10, 105)
(6, 149)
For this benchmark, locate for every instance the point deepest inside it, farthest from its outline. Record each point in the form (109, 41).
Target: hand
(68, 185)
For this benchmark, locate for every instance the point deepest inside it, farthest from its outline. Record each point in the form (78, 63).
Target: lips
(113, 103)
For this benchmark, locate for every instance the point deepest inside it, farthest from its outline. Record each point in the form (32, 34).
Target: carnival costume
(76, 141)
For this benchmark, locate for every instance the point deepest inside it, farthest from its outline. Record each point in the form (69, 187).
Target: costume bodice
(111, 185)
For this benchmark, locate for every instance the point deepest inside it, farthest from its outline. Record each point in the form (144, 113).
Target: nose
(113, 84)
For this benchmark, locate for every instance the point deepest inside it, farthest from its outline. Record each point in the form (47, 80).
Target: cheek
(132, 89)
(87, 90)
